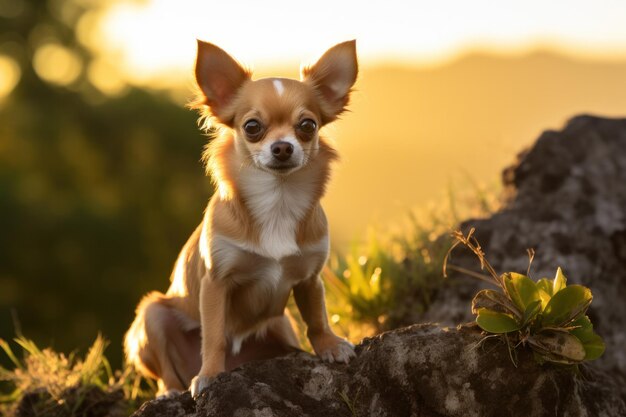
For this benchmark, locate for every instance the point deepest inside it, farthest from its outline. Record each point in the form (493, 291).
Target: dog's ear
(333, 76)
(219, 77)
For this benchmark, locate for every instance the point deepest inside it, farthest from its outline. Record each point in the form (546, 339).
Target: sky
(155, 38)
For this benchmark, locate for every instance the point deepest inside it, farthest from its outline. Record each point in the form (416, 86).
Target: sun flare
(155, 40)
(10, 74)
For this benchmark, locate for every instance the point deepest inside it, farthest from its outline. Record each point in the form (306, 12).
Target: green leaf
(558, 346)
(593, 343)
(495, 322)
(544, 286)
(531, 312)
(594, 347)
(583, 328)
(494, 301)
(545, 299)
(521, 289)
(559, 281)
(567, 305)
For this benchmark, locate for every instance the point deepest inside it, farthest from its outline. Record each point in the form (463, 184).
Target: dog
(264, 233)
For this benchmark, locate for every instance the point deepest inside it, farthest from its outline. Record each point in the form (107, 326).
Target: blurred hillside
(412, 132)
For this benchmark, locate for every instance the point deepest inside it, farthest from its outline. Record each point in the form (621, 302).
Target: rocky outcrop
(567, 200)
(423, 370)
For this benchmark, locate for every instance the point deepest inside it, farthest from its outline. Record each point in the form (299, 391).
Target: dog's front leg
(212, 322)
(309, 296)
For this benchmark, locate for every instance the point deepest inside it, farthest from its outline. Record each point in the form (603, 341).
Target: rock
(567, 200)
(422, 370)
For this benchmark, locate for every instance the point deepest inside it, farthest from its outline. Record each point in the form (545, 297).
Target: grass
(48, 383)
(351, 404)
(391, 279)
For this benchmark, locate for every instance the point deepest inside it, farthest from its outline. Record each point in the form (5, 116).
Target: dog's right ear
(219, 77)
(333, 76)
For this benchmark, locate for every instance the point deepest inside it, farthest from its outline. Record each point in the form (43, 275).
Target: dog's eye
(253, 129)
(307, 126)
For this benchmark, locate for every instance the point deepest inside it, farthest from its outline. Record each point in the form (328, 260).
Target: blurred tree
(97, 193)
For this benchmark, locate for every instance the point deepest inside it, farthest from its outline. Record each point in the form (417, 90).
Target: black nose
(282, 150)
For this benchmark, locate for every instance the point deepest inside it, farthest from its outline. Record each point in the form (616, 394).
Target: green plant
(547, 315)
(69, 385)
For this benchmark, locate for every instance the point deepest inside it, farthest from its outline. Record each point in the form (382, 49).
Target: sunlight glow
(106, 78)
(10, 75)
(155, 39)
(152, 39)
(56, 64)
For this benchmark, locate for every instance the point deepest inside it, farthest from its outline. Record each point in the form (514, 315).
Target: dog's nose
(282, 150)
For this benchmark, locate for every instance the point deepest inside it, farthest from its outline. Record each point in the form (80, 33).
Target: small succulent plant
(546, 315)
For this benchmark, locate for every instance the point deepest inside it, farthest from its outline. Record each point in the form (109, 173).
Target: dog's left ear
(333, 76)
(220, 77)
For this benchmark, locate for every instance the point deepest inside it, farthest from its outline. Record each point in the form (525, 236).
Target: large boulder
(566, 200)
(422, 370)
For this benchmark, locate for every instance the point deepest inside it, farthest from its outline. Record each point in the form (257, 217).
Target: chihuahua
(264, 232)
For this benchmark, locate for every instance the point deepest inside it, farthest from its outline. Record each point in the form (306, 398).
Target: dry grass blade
(477, 275)
(472, 244)
(531, 257)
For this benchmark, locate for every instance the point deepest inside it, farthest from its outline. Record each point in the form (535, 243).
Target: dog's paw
(331, 348)
(198, 384)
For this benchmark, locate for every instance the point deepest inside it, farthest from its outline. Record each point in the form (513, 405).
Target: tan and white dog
(264, 232)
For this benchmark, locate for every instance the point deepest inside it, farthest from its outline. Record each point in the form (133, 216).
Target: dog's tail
(136, 351)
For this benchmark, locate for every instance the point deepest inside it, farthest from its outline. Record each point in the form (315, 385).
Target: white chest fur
(277, 205)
